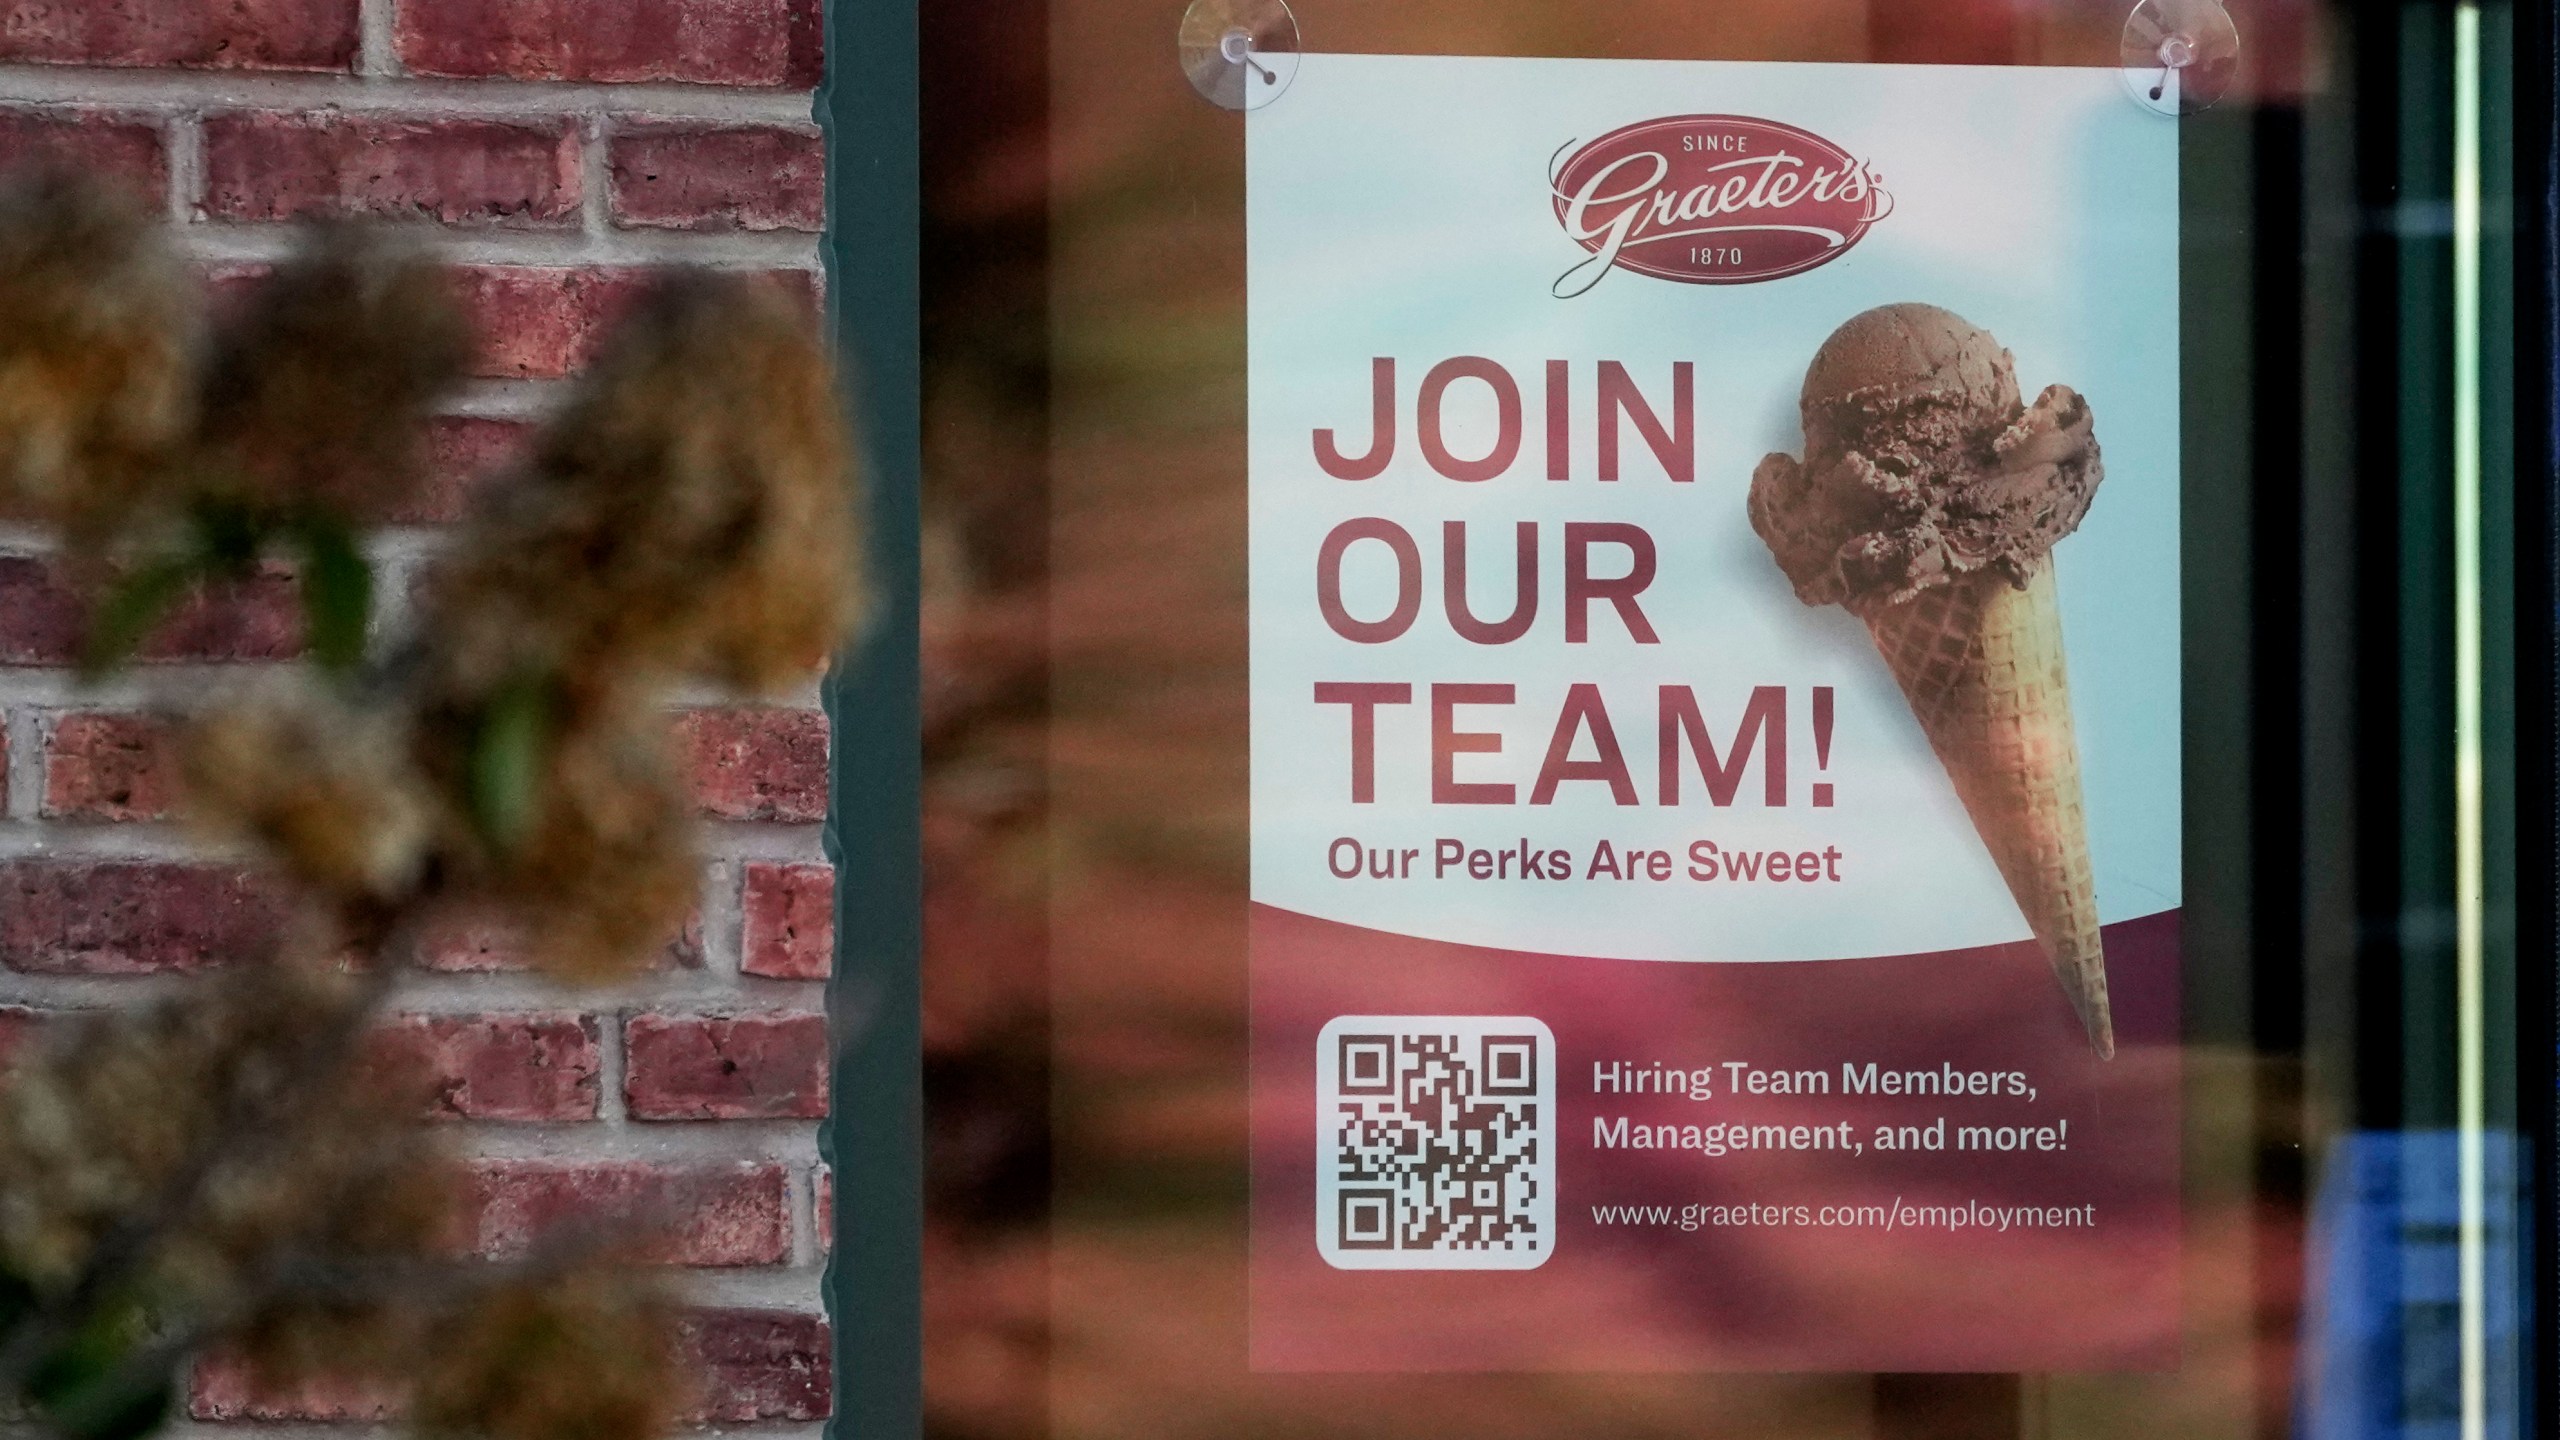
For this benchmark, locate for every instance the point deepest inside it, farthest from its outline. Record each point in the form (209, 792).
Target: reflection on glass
(2344, 1244)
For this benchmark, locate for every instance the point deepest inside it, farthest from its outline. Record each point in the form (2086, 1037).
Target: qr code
(1435, 1147)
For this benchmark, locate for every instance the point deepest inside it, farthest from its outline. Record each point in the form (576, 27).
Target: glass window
(1805, 718)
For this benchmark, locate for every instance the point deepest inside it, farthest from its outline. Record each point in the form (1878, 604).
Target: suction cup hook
(2178, 56)
(1239, 54)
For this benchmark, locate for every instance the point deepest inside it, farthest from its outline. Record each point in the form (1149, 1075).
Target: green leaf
(107, 1380)
(337, 592)
(506, 762)
(133, 609)
(88, 1357)
(122, 1410)
(17, 1301)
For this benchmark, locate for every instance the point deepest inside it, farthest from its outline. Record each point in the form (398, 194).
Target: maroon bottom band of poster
(1911, 1163)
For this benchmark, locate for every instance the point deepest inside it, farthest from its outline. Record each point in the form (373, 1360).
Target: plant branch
(255, 1121)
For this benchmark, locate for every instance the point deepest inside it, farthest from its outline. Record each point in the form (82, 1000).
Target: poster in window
(1715, 718)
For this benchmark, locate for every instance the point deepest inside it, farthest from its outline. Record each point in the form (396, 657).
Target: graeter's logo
(1710, 200)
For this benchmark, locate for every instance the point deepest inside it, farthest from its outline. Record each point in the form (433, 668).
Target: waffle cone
(1981, 663)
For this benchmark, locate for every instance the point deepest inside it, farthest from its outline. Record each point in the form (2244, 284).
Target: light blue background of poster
(1399, 206)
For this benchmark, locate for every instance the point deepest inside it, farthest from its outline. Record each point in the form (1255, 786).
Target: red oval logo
(1711, 200)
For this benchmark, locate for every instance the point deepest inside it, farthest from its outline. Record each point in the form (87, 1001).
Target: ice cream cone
(1929, 501)
(1981, 663)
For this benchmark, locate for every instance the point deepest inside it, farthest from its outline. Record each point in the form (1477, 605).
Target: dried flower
(318, 392)
(608, 873)
(325, 787)
(355, 1341)
(96, 1125)
(97, 335)
(598, 869)
(237, 1162)
(360, 1186)
(582, 1356)
(690, 511)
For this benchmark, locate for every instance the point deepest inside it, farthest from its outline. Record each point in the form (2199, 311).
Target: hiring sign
(1715, 672)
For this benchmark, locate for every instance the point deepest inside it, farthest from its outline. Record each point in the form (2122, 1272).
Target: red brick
(736, 178)
(42, 620)
(229, 284)
(501, 1067)
(123, 147)
(231, 35)
(267, 166)
(18, 1027)
(541, 322)
(471, 945)
(756, 1365)
(130, 917)
(102, 765)
(477, 944)
(225, 1386)
(745, 1365)
(790, 922)
(726, 1216)
(707, 42)
(255, 619)
(756, 763)
(464, 454)
(806, 64)
(749, 1067)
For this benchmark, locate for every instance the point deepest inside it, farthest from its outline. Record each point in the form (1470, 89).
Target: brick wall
(555, 148)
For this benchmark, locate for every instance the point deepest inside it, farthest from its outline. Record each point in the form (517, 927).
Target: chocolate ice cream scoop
(1928, 502)
(1920, 464)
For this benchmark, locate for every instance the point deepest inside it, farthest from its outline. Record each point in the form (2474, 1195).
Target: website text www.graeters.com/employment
(1965, 1215)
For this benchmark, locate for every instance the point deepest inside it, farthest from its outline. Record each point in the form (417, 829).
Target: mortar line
(596, 179)
(185, 138)
(264, 243)
(379, 53)
(110, 87)
(611, 1065)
